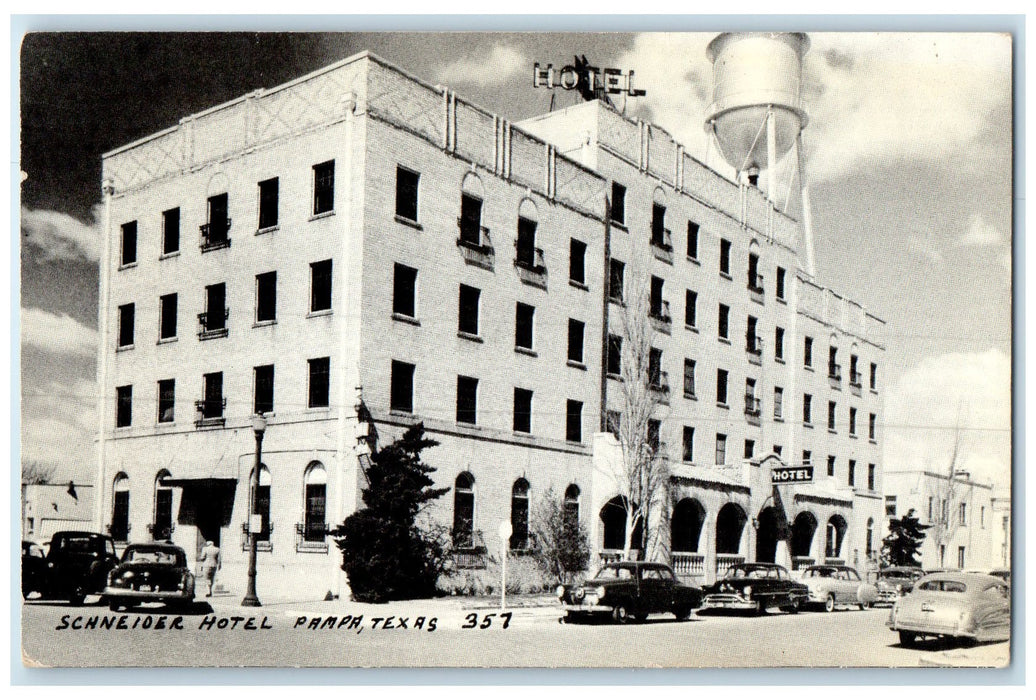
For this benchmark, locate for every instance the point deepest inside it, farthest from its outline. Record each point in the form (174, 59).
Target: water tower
(756, 115)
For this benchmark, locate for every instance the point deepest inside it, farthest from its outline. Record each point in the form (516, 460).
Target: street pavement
(466, 633)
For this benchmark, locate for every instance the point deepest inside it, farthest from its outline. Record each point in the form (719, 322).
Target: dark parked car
(76, 565)
(756, 587)
(150, 573)
(896, 581)
(34, 566)
(627, 590)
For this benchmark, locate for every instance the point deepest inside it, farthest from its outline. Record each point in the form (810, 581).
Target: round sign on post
(504, 531)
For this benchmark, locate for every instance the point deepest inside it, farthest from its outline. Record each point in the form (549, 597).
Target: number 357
(471, 621)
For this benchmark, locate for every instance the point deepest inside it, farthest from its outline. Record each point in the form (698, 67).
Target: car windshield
(819, 572)
(899, 575)
(944, 586)
(81, 544)
(752, 572)
(615, 573)
(169, 557)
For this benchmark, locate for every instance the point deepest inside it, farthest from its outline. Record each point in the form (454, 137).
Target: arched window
(464, 511)
(526, 251)
(314, 522)
(162, 526)
(262, 504)
(120, 526)
(520, 515)
(571, 507)
(870, 538)
(470, 222)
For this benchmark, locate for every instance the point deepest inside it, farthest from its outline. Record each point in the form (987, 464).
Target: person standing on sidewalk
(209, 562)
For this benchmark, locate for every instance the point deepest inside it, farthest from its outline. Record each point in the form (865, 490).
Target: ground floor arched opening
(730, 524)
(766, 534)
(613, 526)
(686, 525)
(836, 529)
(802, 532)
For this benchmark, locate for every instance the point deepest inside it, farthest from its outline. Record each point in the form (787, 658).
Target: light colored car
(975, 607)
(831, 585)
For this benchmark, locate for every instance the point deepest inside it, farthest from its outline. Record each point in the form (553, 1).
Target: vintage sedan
(74, 566)
(895, 581)
(831, 585)
(150, 573)
(755, 587)
(973, 607)
(626, 590)
(34, 567)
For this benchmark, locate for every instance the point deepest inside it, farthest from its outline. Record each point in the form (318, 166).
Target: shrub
(563, 549)
(525, 575)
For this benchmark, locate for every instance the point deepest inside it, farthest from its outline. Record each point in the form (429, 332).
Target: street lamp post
(251, 600)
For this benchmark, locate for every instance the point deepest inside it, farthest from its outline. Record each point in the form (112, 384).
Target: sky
(908, 156)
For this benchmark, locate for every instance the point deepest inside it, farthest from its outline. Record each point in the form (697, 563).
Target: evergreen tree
(903, 543)
(384, 552)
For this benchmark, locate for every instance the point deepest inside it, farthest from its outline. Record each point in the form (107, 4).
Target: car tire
(621, 615)
(829, 603)
(906, 638)
(77, 597)
(866, 606)
(760, 609)
(683, 612)
(792, 607)
(641, 617)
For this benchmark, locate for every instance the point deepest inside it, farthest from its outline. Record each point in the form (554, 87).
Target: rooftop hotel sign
(591, 81)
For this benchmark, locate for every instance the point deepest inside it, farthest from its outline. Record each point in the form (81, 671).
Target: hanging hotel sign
(792, 475)
(591, 81)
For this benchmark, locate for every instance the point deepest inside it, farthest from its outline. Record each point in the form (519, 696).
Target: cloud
(871, 97)
(981, 234)
(498, 68)
(925, 407)
(60, 236)
(59, 422)
(57, 333)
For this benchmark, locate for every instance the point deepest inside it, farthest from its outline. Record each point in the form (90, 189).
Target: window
(214, 318)
(807, 457)
(944, 518)
(780, 283)
(467, 400)
(520, 516)
(614, 355)
(830, 465)
(834, 370)
(690, 314)
(171, 231)
(575, 340)
(831, 409)
(464, 511)
(266, 297)
(724, 256)
(526, 244)
(688, 443)
(162, 527)
(323, 187)
(524, 316)
(854, 375)
(571, 507)
(129, 243)
(467, 310)
(721, 387)
(314, 526)
(404, 291)
(213, 404)
(574, 421)
(753, 343)
(319, 382)
(721, 448)
(692, 240)
(688, 378)
(778, 343)
(890, 506)
(724, 321)
(215, 230)
(166, 400)
(963, 514)
(407, 182)
(982, 517)
(778, 403)
(870, 538)
(852, 421)
(755, 280)
(618, 208)
(960, 557)
(263, 390)
(749, 449)
(931, 510)
(470, 220)
(942, 555)
(807, 352)
(401, 394)
(654, 434)
(320, 286)
(120, 508)
(852, 472)
(522, 410)
(874, 377)
(615, 281)
(655, 368)
(268, 204)
(577, 261)
(123, 406)
(655, 301)
(658, 229)
(126, 322)
(871, 476)
(262, 504)
(807, 409)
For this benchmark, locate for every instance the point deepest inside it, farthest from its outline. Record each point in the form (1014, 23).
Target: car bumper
(587, 609)
(130, 594)
(728, 602)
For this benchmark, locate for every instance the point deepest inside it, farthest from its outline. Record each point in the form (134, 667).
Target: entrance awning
(205, 499)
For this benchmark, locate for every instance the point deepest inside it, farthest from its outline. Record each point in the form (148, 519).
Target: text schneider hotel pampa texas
(357, 251)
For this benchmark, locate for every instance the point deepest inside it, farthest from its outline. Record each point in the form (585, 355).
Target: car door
(650, 590)
(666, 590)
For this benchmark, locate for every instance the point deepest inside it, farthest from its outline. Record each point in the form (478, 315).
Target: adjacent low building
(357, 251)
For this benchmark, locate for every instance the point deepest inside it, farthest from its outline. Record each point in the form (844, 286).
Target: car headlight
(899, 589)
(747, 591)
(127, 575)
(559, 591)
(599, 591)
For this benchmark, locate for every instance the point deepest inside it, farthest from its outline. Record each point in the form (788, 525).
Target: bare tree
(643, 477)
(35, 473)
(946, 517)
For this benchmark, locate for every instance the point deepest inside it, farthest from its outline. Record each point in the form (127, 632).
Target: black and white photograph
(497, 349)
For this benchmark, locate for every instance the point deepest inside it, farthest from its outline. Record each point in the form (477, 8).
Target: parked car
(150, 573)
(831, 585)
(1001, 573)
(756, 587)
(626, 590)
(894, 581)
(34, 566)
(76, 565)
(954, 604)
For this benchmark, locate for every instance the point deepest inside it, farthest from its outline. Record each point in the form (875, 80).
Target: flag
(72, 491)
